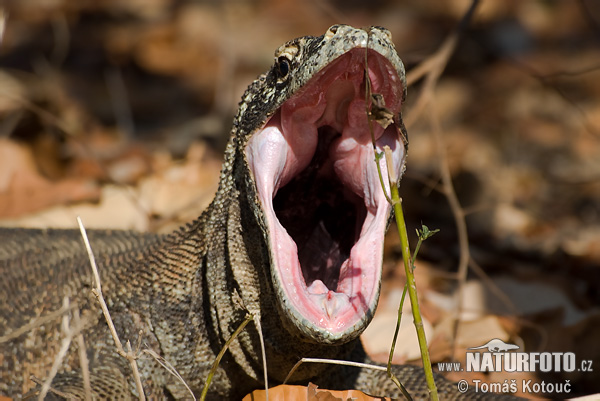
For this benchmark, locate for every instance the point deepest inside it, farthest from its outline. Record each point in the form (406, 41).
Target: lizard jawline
(313, 165)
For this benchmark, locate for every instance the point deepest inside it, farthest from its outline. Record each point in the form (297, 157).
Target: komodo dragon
(296, 228)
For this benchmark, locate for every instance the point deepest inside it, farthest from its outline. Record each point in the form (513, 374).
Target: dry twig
(332, 362)
(432, 69)
(61, 394)
(256, 318)
(36, 323)
(129, 354)
(69, 332)
(170, 368)
(83, 360)
(2, 23)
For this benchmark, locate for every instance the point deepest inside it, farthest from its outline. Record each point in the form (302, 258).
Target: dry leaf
(23, 190)
(377, 338)
(286, 392)
(181, 187)
(118, 209)
(315, 395)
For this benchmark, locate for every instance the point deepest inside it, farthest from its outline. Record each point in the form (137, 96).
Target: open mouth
(317, 181)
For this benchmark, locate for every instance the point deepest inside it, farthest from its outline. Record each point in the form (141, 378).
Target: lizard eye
(283, 66)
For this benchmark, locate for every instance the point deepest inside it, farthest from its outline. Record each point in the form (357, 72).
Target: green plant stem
(414, 256)
(412, 290)
(213, 369)
(422, 236)
(394, 200)
(393, 347)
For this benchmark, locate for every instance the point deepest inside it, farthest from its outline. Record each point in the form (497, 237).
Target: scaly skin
(173, 293)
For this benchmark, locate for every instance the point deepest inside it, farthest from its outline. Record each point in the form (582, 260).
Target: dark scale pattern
(175, 293)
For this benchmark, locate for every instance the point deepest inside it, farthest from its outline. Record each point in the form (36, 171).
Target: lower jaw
(307, 331)
(322, 315)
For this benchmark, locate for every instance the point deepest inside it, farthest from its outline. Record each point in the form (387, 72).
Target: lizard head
(304, 135)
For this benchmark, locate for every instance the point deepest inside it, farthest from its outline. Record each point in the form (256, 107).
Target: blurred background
(119, 111)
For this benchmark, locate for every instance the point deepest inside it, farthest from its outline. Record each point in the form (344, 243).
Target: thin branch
(43, 114)
(3, 18)
(332, 362)
(494, 289)
(69, 332)
(61, 394)
(545, 80)
(457, 212)
(120, 102)
(97, 291)
(83, 360)
(569, 73)
(61, 40)
(585, 11)
(435, 66)
(432, 67)
(170, 368)
(256, 318)
(37, 323)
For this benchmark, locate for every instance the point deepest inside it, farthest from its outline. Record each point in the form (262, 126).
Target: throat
(322, 217)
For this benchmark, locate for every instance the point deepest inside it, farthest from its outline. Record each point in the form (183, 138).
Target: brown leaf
(286, 392)
(23, 190)
(314, 395)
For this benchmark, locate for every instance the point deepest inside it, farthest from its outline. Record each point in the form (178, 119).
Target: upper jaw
(321, 134)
